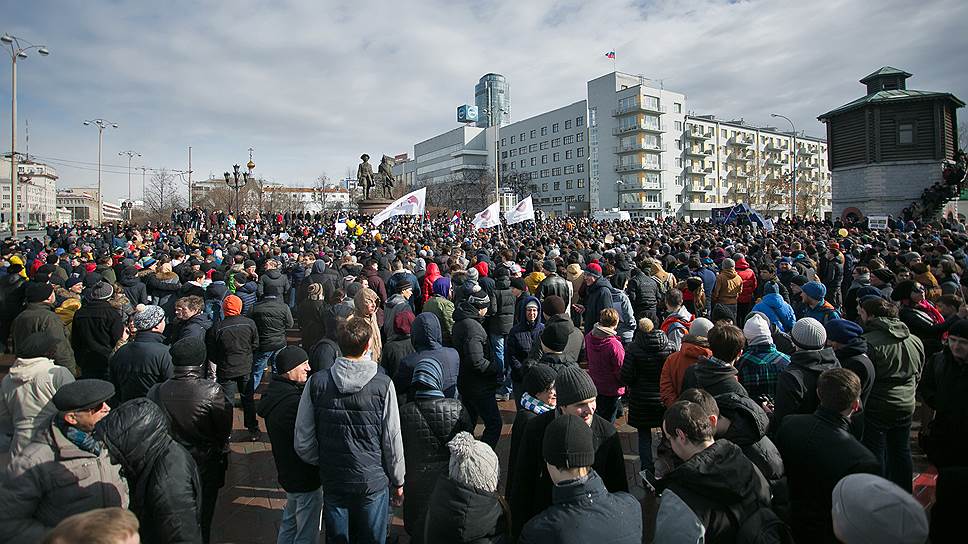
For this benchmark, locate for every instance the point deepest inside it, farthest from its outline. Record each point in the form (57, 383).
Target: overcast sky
(312, 84)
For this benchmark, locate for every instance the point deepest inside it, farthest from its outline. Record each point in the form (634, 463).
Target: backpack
(626, 318)
(675, 321)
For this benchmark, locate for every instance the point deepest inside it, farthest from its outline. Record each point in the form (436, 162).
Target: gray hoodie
(349, 377)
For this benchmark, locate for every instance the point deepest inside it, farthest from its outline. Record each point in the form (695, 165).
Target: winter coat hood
(26, 370)
(350, 376)
(425, 332)
(136, 433)
(748, 421)
(720, 473)
(892, 327)
(519, 317)
(714, 371)
(465, 310)
(818, 361)
(319, 267)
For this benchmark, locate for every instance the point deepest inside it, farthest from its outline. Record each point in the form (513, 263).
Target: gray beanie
(147, 319)
(473, 463)
(473, 274)
(808, 334)
(728, 263)
(868, 508)
(102, 290)
(700, 327)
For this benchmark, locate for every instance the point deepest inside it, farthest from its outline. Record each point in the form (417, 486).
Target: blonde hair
(101, 526)
(608, 317)
(646, 324)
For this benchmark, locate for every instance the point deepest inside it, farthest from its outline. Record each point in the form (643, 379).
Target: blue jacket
(708, 278)
(777, 311)
(426, 337)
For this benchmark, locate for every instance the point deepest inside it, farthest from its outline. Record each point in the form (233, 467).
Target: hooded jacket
(729, 286)
(230, 344)
(478, 368)
(425, 336)
(276, 278)
(25, 398)
(644, 294)
(196, 326)
(95, 331)
(674, 369)
(853, 356)
(522, 338)
(898, 357)
(796, 387)
(460, 514)
(165, 489)
(641, 371)
(713, 375)
(272, 318)
(40, 317)
(278, 407)
(605, 357)
(777, 310)
(500, 316)
(749, 281)
(713, 482)
(396, 347)
(598, 296)
(574, 349)
(133, 288)
(12, 290)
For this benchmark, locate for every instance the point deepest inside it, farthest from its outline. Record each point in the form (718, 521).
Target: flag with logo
(522, 211)
(489, 217)
(412, 203)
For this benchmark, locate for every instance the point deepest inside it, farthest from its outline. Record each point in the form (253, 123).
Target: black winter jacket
(853, 356)
(140, 364)
(426, 337)
(195, 327)
(272, 318)
(427, 425)
(134, 289)
(12, 290)
(643, 292)
(521, 339)
(276, 278)
(713, 375)
(644, 359)
(574, 349)
(584, 511)
(531, 488)
(478, 368)
(247, 294)
(162, 480)
(598, 296)
(818, 450)
(230, 344)
(311, 317)
(463, 515)
(796, 386)
(96, 328)
(200, 416)
(278, 408)
(553, 284)
(713, 482)
(500, 316)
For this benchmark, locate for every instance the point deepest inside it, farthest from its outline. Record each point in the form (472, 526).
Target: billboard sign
(467, 114)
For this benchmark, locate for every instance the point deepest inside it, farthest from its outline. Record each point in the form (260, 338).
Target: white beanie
(757, 330)
(473, 463)
(869, 509)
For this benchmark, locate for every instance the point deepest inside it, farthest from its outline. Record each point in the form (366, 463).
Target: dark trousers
(891, 445)
(608, 407)
(485, 406)
(742, 309)
(211, 472)
(241, 386)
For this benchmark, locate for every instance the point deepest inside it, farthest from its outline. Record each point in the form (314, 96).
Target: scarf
(79, 438)
(932, 312)
(607, 331)
(534, 404)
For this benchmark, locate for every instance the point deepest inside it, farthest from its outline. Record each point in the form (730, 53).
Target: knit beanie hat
(700, 327)
(518, 283)
(289, 358)
(727, 263)
(959, 329)
(815, 290)
(539, 378)
(37, 291)
(232, 305)
(574, 385)
(479, 300)
(188, 352)
(808, 334)
(550, 266)
(555, 336)
(473, 463)
(885, 275)
(799, 280)
(568, 443)
(757, 330)
(903, 290)
(842, 331)
(38, 344)
(594, 270)
(868, 508)
(553, 305)
(473, 274)
(147, 319)
(102, 290)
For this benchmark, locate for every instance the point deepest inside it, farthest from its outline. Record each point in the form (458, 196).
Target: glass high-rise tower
(492, 97)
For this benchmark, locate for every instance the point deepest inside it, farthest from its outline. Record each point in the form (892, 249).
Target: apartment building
(36, 193)
(81, 202)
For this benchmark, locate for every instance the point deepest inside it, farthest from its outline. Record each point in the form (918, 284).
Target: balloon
(842, 233)
(359, 230)
(351, 224)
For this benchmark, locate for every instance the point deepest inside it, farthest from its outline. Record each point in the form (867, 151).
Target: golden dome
(250, 165)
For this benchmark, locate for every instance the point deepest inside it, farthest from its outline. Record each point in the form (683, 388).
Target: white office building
(450, 155)
(36, 193)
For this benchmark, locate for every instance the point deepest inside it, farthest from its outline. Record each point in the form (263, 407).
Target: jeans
(263, 360)
(301, 518)
(359, 519)
(242, 386)
(608, 407)
(891, 445)
(485, 406)
(497, 345)
(645, 450)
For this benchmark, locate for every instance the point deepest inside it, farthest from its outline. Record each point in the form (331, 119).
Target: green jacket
(444, 310)
(898, 358)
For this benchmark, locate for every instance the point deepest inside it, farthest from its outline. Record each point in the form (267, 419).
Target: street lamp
(237, 180)
(101, 124)
(793, 203)
(130, 155)
(18, 50)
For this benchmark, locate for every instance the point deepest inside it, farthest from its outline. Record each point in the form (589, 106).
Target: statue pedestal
(373, 206)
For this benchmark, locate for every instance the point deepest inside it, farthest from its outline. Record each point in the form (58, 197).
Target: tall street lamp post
(236, 180)
(793, 202)
(130, 155)
(18, 50)
(101, 124)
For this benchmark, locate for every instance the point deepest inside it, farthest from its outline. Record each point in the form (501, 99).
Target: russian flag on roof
(610, 54)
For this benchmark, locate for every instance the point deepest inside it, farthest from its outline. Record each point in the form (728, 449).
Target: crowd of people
(773, 377)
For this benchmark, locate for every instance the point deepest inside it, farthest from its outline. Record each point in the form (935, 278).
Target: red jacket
(749, 281)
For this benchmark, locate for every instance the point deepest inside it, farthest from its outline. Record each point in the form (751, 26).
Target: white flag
(409, 204)
(522, 211)
(490, 217)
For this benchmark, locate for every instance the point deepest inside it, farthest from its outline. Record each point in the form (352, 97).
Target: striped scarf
(535, 405)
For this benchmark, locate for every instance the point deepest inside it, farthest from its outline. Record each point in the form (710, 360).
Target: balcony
(741, 189)
(697, 188)
(770, 162)
(739, 141)
(739, 174)
(641, 205)
(640, 127)
(639, 167)
(740, 157)
(806, 166)
(639, 146)
(636, 186)
(698, 134)
(772, 148)
(803, 151)
(639, 108)
(699, 151)
(699, 170)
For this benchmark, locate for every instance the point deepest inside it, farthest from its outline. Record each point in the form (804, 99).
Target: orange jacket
(670, 381)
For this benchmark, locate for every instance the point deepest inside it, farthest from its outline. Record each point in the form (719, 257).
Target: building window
(679, 145)
(555, 157)
(581, 167)
(522, 150)
(557, 186)
(534, 133)
(569, 153)
(521, 137)
(544, 144)
(522, 163)
(503, 143)
(678, 162)
(905, 134)
(679, 181)
(504, 154)
(554, 128)
(545, 173)
(581, 185)
(677, 107)
(532, 148)
(580, 121)
(581, 152)
(580, 137)
(512, 140)
(570, 169)
(544, 187)
(679, 199)
(678, 127)
(568, 124)
(722, 133)
(534, 161)
(556, 171)
(569, 184)
(513, 152)
(544, 159)
(556, 142)
(544, 131)
(568, 140)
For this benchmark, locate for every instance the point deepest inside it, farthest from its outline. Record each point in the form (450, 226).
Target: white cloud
(310, 85)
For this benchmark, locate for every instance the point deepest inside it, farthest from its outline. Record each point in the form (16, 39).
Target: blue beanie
(815, 290)
(842, 331)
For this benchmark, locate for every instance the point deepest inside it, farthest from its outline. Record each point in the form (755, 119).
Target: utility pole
(189, 176)
(143, 172)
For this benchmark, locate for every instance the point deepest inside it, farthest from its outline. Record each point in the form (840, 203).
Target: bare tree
(162, 196)
(963, 135)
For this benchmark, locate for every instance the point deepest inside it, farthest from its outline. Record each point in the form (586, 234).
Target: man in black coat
(96, 329)
(201, 419)
(598, 296)
(943, 389)
(583, 510)
(300, 480)
(500, 319)
(847, 340)
(717, 374)
(190, 319)
(553, 310)
(479, 371)
(145, 360)
(273, 277)
(818, 450)
(553, 284)
(797, 384)
(230, 345)
(161, 474)
(644, 294)
(273, 318)
(531, 490)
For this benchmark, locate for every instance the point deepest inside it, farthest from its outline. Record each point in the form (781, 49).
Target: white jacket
(25, 398)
